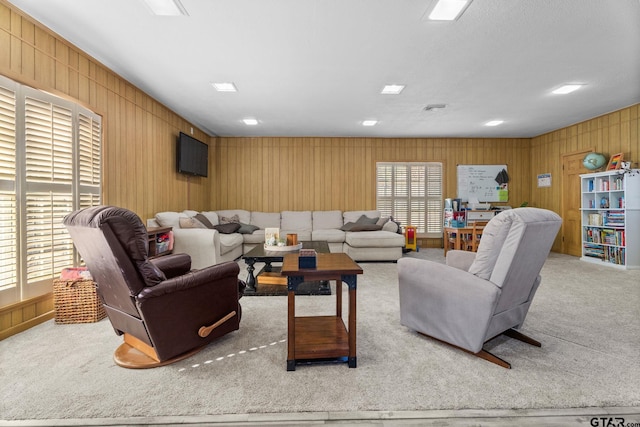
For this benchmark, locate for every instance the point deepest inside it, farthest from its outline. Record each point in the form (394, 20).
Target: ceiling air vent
(432, 107)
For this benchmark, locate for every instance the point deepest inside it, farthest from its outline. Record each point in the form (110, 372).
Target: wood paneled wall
(617, 132)
(139, 133)
(275, 174)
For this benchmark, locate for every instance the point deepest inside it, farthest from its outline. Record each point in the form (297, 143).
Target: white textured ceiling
(316, 67)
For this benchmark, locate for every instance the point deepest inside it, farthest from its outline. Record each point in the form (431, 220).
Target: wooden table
(321, 337)
(459, 232)
(270, 274)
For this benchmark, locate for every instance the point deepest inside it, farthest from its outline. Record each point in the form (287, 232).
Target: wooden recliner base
(135, 354)
(483, 354)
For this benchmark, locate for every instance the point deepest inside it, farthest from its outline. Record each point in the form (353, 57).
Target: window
(49, 166)
(412, 194)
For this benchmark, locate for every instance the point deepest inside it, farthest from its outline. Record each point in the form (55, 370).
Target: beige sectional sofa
(363, 235)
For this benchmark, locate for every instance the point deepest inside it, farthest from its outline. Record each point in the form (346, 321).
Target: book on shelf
(595, 219)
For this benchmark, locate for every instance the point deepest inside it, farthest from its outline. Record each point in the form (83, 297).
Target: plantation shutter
(89, 152)
(412, 194)
(384, 189)
(49, 190)
(434, 218)
(50, 165)
(8, 207)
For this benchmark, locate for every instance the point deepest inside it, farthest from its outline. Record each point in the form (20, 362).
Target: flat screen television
(192, 156)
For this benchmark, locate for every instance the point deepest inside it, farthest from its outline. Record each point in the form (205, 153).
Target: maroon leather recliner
(165, 311)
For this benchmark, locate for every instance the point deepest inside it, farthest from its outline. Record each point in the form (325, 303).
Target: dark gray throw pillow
(366, 220)
(348, 226)
(204, 220)
(228, 228)
(247, 228)
(355, 226)
(366, 227)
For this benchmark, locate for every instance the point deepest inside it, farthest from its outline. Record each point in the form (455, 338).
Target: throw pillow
(390, 226)
(383, 220)
(204, 220)
(366, 227)
(228, 228)
(247, 228)
(191, 223)
(399, 230)
(348, 226)
(366, 220)
(230, 219)
(354, 226)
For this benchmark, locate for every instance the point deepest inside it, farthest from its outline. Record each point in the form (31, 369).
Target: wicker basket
(77, 301)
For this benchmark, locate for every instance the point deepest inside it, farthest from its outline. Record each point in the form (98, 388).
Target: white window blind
(50, 165)
(8, 208)
(412, 194)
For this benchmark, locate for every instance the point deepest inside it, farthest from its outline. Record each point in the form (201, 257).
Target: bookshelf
(610, 214)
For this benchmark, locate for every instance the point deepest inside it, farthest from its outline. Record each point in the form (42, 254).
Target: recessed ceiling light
(225, 87)
(494, 123)
(250, 122)
(369, 122)
(568, 88)
(166, 7)
(448, 10)
(392, 89)
(431, 107)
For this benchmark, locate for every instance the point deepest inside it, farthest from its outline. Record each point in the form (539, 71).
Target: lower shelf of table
(320, 337)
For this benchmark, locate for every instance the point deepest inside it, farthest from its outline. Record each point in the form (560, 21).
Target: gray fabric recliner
(478, 296)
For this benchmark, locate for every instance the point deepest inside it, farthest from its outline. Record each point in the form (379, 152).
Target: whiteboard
(479, 181)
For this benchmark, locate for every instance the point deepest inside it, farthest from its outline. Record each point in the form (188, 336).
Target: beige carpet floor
(587, 318)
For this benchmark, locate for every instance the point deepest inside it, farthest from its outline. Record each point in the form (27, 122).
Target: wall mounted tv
(192, 156)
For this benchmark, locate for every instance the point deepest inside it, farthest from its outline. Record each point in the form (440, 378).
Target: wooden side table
(321, 337)
(158, 249)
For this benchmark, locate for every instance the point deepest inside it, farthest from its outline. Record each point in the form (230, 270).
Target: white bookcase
(611, 218)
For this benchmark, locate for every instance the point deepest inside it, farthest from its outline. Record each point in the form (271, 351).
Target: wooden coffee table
(270, 273)
(321, 337)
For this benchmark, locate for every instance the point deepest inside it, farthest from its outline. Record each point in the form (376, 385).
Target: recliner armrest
(173, 265)
(461, 260)
(194, 278)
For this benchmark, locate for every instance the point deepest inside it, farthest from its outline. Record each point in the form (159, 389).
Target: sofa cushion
(170, 219)
(255, 237)
(244, 216)
(326, 220)
(229, 242)
(328, 235)
(302, 235)
(265, 219)
(296, 221)
(374, 239)
(353, 216)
